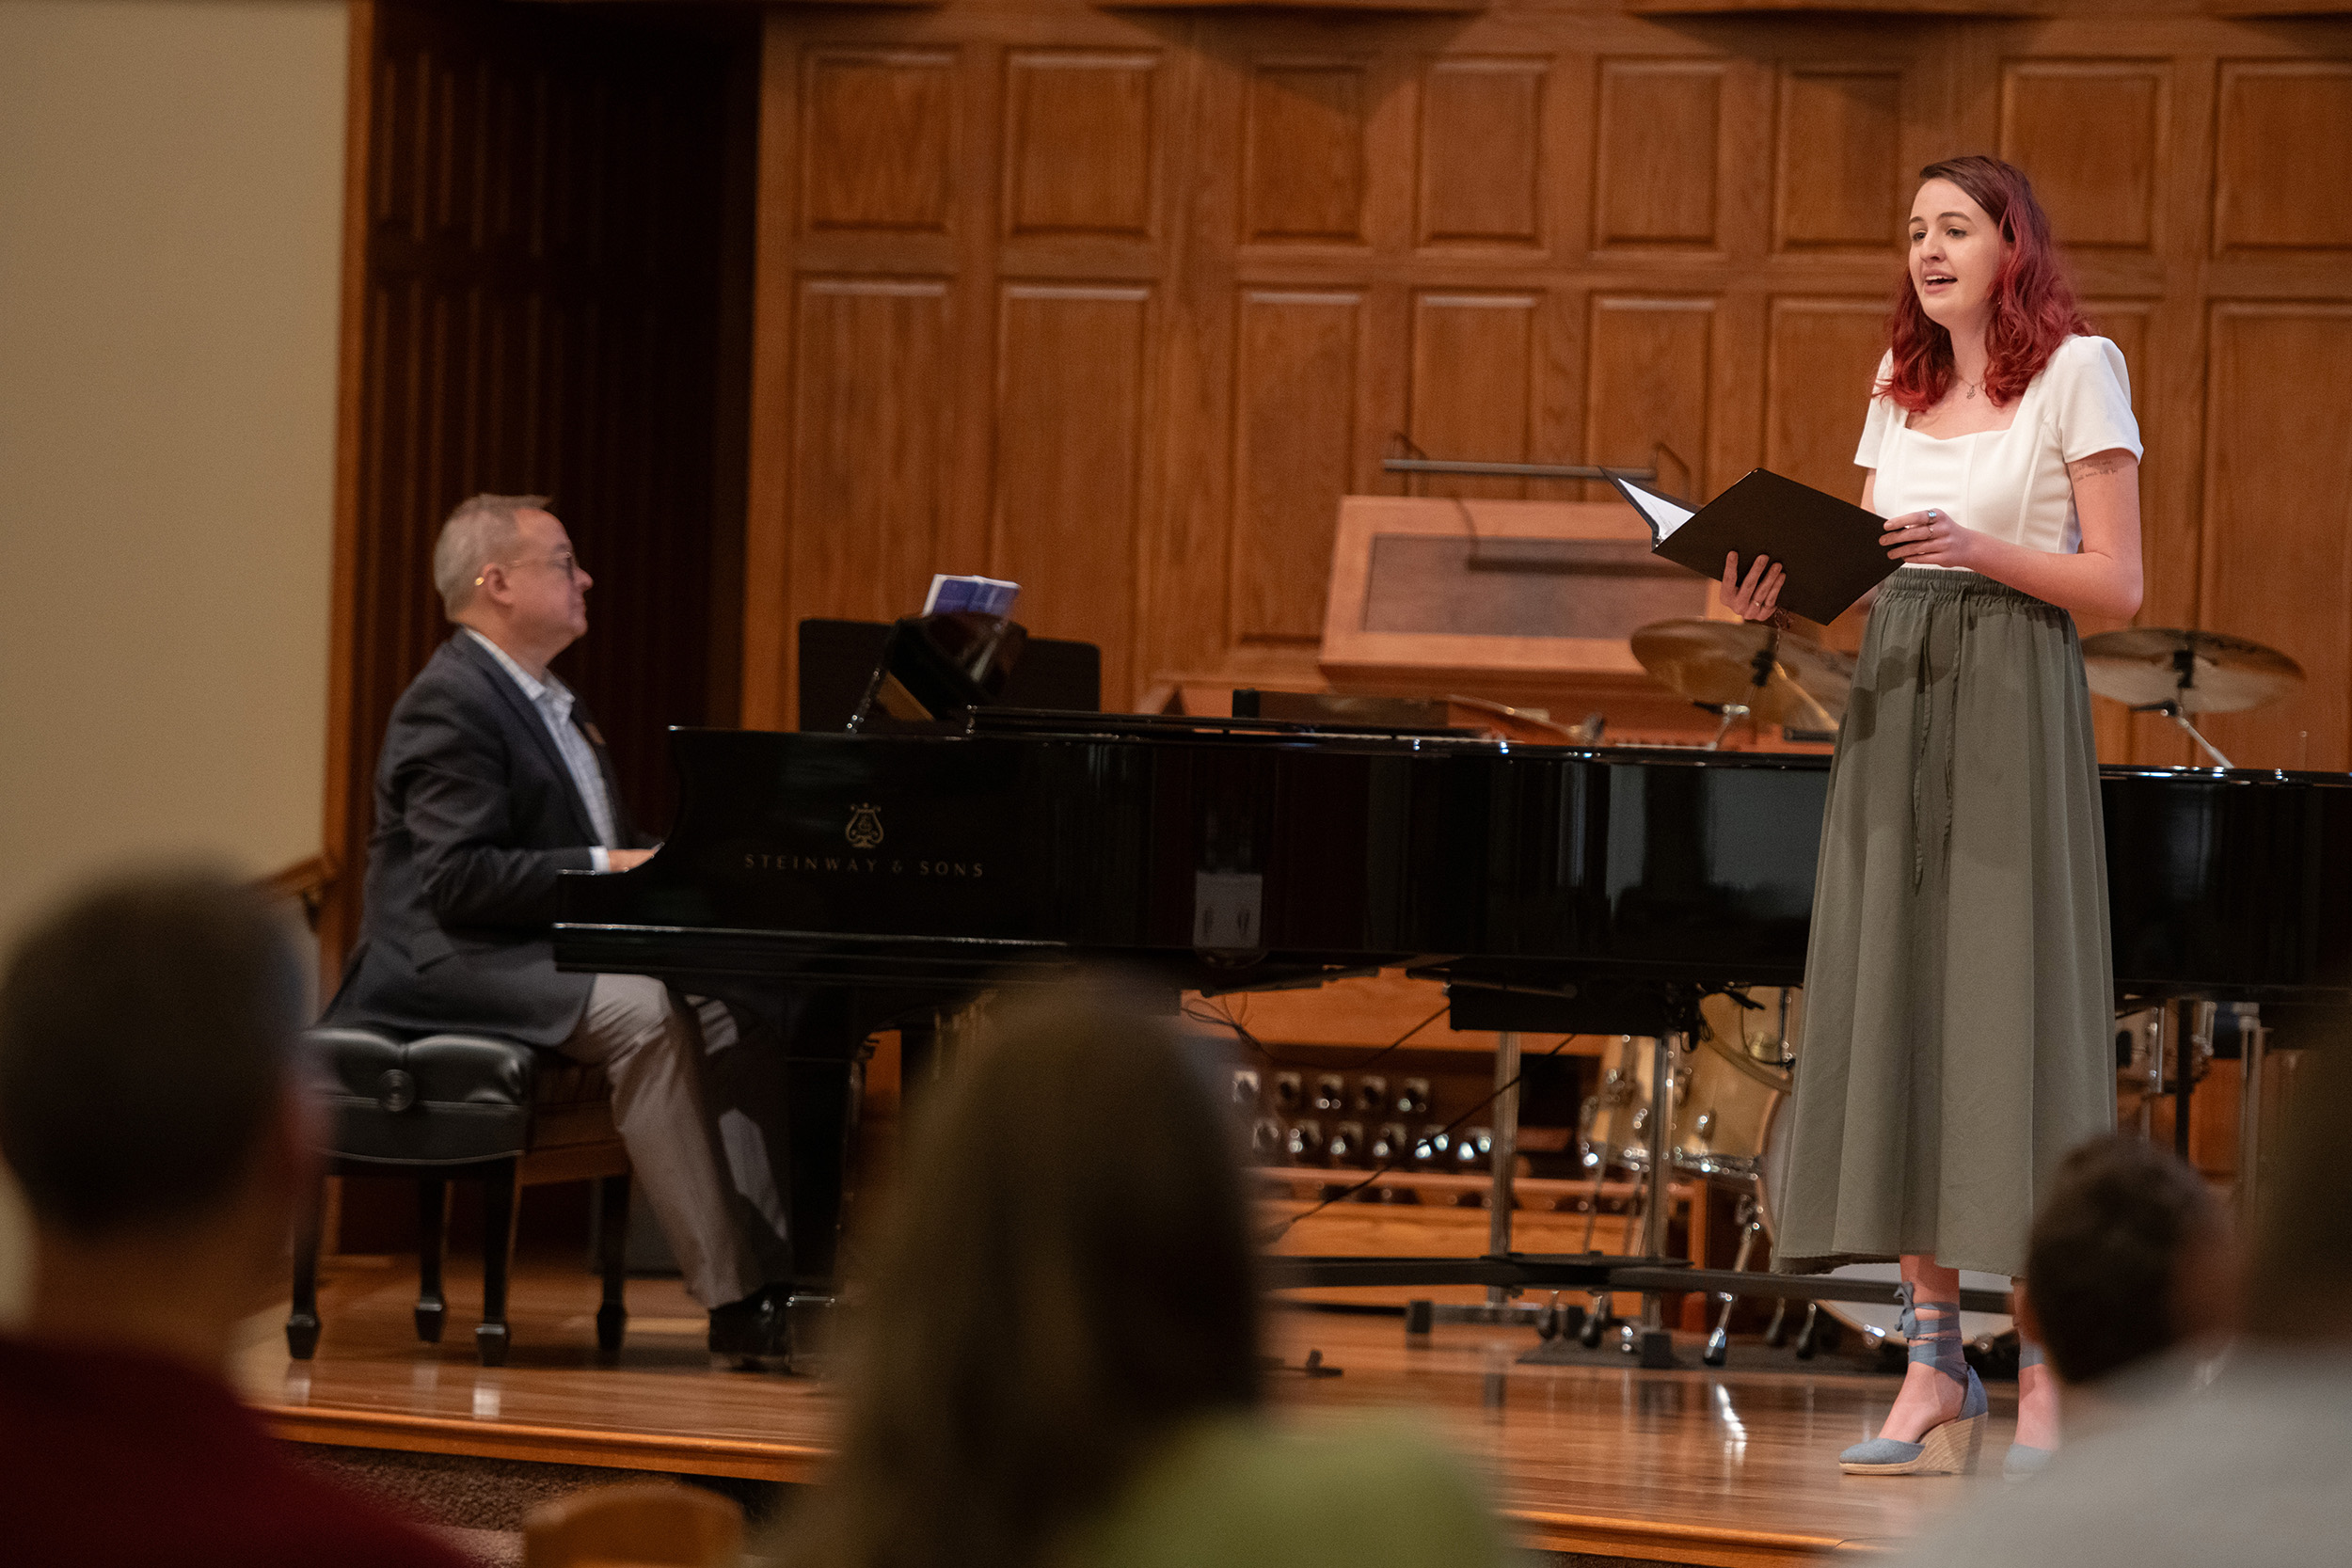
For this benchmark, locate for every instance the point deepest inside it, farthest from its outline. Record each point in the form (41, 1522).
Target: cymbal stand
(1760, 676)
(2185, 669)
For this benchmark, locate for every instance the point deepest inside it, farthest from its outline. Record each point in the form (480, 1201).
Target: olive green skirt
(1958, 1008)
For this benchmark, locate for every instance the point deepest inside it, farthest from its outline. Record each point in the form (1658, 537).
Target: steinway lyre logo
(864, 829)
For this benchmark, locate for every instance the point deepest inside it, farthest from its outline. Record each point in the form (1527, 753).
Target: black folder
(1829, 548)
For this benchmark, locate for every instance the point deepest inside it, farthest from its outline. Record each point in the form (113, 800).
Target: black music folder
(1829, 548)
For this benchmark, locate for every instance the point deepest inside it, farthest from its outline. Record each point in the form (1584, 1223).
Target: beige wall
(170, 199)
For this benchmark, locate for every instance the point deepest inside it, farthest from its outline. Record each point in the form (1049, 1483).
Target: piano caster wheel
(1718, 1348)
(1547, 1322)
(1808, 1338)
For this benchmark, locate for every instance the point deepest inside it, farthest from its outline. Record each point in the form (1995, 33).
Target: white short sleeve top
(2010, 484)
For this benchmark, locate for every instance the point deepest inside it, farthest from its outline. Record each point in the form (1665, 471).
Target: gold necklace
(1973, 387)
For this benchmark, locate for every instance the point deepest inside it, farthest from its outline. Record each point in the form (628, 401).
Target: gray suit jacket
(476, 817)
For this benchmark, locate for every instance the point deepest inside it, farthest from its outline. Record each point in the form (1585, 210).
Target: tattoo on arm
(2098, 468)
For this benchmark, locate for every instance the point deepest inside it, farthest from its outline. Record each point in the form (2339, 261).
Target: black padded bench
(466, 1108)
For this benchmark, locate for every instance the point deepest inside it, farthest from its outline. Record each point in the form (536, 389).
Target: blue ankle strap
(2028, 1353)
(1933, 1328)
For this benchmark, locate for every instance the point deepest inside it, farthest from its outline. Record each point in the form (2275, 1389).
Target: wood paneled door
(1119, 305)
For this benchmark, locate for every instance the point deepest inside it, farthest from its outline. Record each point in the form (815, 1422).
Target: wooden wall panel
(1650, 371)
(1079, 152)
(2285, 132)
(1473, 360)
(1481, 151)
(1293, 445)
(878, 145)
(1552, 230)
(1073, 400)
(871, 429)
(2092, 135)
(1303, 173)
(1838, 179)
(1819, 362)
(1655, 153)
(2278, 560)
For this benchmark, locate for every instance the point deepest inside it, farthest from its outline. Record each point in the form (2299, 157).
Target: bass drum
(1726, 1088)
(1873, 1322)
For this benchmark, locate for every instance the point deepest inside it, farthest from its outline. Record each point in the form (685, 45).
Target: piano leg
(2253, 1042)
(1506, 1154)
(2183, 1081)
(1657, 1344)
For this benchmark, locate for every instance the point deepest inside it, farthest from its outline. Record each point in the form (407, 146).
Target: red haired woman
(1958, 987)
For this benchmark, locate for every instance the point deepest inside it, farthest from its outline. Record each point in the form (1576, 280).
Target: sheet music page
(987, 595)
(1663, 515)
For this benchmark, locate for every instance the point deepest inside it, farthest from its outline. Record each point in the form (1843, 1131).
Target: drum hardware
(1246, 1087)
(1371, 1096)
(1346, 1147)
(2176, 672)
(1330, 1095)
(1751, 1222)
(1743, 669)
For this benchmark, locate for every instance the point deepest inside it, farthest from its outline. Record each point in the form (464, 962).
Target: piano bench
(469, 1108)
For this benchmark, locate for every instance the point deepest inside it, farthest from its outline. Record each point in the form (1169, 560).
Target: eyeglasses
(567, 563)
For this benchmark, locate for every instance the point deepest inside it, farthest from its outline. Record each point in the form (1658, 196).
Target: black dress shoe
(758, 1326)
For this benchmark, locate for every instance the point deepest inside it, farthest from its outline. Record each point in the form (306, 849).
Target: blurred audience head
(1063, 1280)
(147, 1099)
(2130, 1255)
(2298, 1282)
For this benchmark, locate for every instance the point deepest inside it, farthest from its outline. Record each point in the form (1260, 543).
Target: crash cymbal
(1778, 676)
(2204, 671)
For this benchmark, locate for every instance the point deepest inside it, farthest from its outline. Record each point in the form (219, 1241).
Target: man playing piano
(494, 781)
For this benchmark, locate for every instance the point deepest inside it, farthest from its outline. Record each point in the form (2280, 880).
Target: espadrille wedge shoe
(1952, 1447)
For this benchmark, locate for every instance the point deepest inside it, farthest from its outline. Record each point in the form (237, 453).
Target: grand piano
(859, 881)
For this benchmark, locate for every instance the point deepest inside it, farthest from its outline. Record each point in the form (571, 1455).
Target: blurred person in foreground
(2248, 1463)
(2131, 1283)
(150, 1110)
(1059, 1362)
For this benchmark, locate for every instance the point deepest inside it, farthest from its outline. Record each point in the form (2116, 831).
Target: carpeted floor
(480, 1504)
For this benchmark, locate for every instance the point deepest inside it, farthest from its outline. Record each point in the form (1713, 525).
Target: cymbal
(1717, 661)
(2144, 666)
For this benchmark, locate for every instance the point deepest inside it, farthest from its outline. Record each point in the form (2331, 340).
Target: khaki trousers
(704, 1140)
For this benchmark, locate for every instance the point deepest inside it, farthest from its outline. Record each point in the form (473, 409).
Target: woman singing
(1957, 989)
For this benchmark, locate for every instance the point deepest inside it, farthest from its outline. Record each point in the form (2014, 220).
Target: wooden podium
(1531, 603)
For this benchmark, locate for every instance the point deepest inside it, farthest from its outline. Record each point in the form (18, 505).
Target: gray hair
(482, 529)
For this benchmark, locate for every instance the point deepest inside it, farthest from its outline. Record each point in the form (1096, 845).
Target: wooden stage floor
(1678, 1467)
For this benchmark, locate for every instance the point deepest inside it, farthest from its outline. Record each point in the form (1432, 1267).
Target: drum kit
(1725, 1096)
